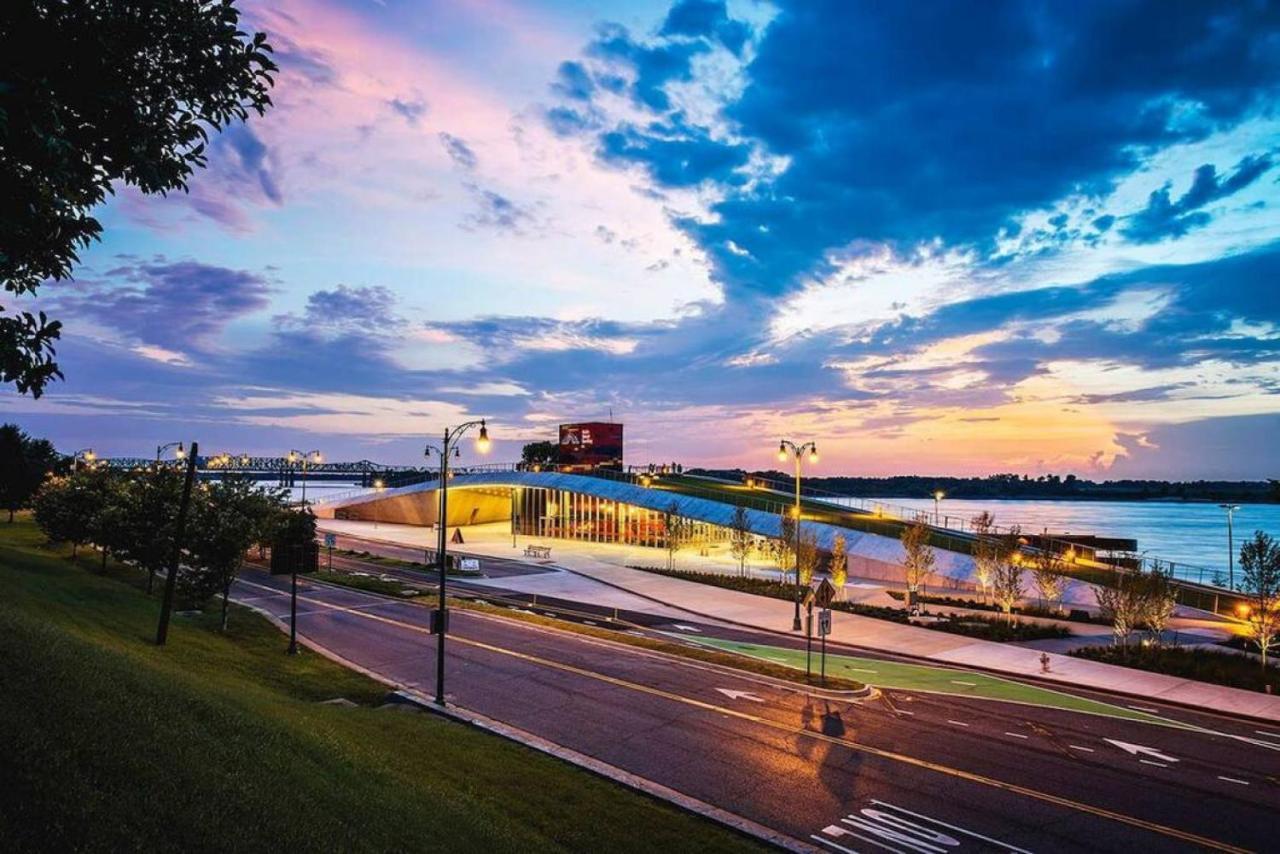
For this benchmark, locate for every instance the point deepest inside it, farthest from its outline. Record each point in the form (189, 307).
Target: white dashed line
(588, 623)
(905, 712)
(1234, 780)
(958, 682)
(1078, 747)
(1264, 732)
(1153, 762)
(957, 723)
(1016, 734)
(1145, 709)
(860, 670)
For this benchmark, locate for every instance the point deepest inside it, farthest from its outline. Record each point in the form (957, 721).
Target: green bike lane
(903, 676)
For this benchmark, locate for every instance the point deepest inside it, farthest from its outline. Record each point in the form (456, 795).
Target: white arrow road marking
(739, 695)
(682, 627)
(1135, 749)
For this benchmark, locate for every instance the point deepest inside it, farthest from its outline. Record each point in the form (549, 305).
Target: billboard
(589, 445)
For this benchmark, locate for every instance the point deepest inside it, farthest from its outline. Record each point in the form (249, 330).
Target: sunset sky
(937, 238)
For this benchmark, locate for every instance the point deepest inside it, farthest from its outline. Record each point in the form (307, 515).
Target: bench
(537, 551)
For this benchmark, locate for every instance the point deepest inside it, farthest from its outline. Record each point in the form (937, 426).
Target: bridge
(283, 470)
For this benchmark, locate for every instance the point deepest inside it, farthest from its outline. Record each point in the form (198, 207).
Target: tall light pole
(309, 456)
(178, 454)
(938, 495)
(446, 447)
(1231, 550)
(787, 447)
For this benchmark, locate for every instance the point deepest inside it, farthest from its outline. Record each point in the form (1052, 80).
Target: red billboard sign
(592, 444)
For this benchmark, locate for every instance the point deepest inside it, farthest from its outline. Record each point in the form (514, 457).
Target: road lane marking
(682, 627)
(1149, 762)
(957, 829)
(1234, 780)
(1264, 732)
(857, 747)
(1145, 709)
(739, 695)
(1140, 750)
(1017, 735)
(1080, 747)
(957, 723)
(961, 682)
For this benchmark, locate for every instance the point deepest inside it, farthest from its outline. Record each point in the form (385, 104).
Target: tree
(986, 551)
(808, 556)
(151, 502)
(95, 95)
(1260, 577)
(784, 546)
(1047, 569)
(677, 529)
(227, 519)
(64, 507)
(1006, 579)
(24, 464)
(839, 565)
(1157, 601)
(540, 454)
(107, 521)
(919, 557)
(1121, 603)
(740, 540)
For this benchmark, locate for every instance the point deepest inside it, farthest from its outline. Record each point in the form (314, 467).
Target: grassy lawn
(220, 741)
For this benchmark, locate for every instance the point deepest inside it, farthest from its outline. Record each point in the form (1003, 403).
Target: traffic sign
(825, 594)
(330, 540)
(824, 623)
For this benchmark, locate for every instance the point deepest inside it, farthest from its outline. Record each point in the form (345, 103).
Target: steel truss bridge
(282, 469)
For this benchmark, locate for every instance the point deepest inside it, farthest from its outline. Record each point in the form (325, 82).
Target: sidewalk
(774, 615)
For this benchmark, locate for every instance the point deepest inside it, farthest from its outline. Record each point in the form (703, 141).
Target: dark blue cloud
(1163, 217)
(706, 19)
(906, 122)
(180, 306)
(573, 81)
(459, 152)
(676, 154)
(245, 160)
(410, 109)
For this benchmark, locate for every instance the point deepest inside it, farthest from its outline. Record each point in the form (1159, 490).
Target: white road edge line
(1017, 735)
(1005, 845)
(957, 723)
(959, 682)
(1078, 747)
(1153, 762)
(1145, 709)
(1234, 780)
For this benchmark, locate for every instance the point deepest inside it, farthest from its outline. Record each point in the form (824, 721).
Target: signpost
(824, 596)
(330, 540)
(291, 559)
(808, 633)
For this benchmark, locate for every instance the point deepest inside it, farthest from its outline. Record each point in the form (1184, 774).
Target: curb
(647, 787)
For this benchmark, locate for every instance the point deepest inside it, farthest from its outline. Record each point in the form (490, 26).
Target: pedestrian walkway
(760, 612)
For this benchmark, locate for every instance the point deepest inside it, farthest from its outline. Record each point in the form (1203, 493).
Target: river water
(1187, 532)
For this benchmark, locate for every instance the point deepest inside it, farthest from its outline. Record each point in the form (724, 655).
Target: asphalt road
(909, 771)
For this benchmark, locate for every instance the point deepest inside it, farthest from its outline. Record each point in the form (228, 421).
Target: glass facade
(561, 514)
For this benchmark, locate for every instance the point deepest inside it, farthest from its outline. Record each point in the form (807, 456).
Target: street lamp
(85, 454)
(178, 454)
(938, 495)
(1231, 551)
(785, 447)
(309, 456)
(449, 445)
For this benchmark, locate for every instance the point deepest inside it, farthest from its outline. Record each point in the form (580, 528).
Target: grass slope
(218, 741)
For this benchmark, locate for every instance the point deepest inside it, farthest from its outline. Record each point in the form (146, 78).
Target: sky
(936, 237)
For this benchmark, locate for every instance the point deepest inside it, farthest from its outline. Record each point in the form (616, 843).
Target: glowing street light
(1231, 551)
(938, 495)
(305, 458)
(178, 454)
(786, 447)
(85, 454)
(443, 450)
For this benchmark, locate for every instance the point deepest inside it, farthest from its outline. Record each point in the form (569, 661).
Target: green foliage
(919, 557)
(540, 454)
(1260, 579)
(1203, 665)
(24, 464)
(97, 95)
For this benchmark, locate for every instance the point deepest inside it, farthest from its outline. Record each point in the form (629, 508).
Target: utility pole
(785, 446)
(1231, 549)
(170, 583)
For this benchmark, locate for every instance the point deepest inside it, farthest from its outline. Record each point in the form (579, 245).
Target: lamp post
(1231, 551)
(786, 447)
(309, 456)
(178, 454)
(938, 495)
(85, 454)
(449, 445)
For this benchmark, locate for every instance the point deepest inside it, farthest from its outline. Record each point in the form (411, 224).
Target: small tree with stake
(808, 556)
(838, 568)
(986, 551)
(1051, 580)
(677, 530)
(740, 540)
(1006, 578)
(918, 558)
(1260, 574)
